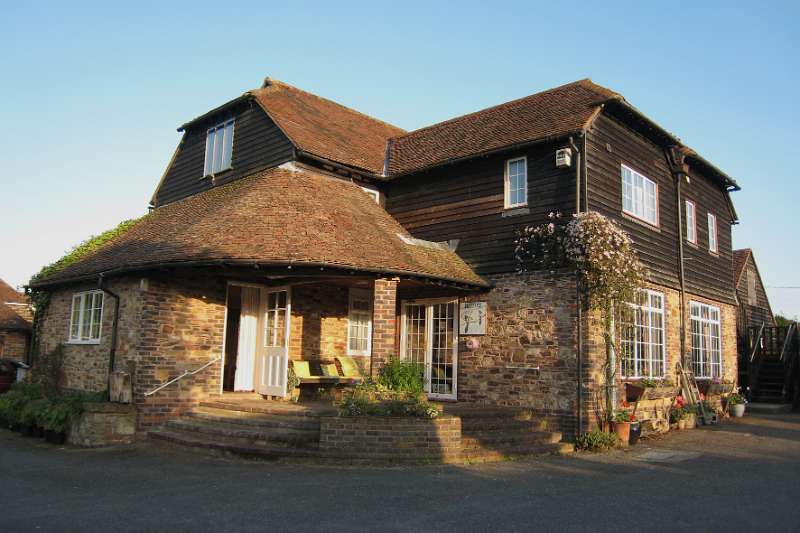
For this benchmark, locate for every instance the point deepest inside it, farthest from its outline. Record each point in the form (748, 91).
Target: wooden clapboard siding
(706, 273)
(465, 201)
(759, 313)
(257, 144)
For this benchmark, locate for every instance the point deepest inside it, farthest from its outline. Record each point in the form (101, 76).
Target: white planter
(738, 410)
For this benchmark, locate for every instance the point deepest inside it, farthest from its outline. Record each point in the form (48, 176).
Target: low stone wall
(103, 424)
(391, 439)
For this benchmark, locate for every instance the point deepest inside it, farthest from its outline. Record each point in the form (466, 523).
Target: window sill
(640, 221)
(516, 211)
(692, 244)
(713, 254)
(83, 343)
(357, 354)
(216, 175)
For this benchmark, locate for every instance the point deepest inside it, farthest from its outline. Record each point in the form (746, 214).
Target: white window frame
(691, 222)
(507, 183)
(213, 134)
(644, 352)
(365, 295)
(638, 196)
(705, 355)
(428, 305)
(374, 193)
(82, 299)
(713, 234)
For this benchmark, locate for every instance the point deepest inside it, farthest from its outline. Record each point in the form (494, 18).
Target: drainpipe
(112, 355)
(678, 173)
(578, 295)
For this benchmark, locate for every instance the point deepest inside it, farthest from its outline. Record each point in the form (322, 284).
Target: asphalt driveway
(740, 476)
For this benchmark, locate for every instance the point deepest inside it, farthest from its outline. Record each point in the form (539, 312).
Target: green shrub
(373, 399)
(33, 412)
(402, 376)
(596, 440)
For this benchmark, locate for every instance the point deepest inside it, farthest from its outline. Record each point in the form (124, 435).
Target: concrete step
(285, 437)
(500, 454)
(505, 440)
(224, 446)
(211, 414)
(270, 408)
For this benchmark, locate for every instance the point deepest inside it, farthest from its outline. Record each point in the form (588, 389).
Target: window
(219, 147)
(516, 183)
(691, 222)
(376, 195)
(639, 196)
(751, 287)
(86, 317)
(429, 337)
(712, 233)
(359, 322)
(642, 343)
(706, 341)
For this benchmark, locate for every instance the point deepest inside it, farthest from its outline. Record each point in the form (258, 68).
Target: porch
(336, 331)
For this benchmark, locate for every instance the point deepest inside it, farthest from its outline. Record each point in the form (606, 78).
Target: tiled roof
(276, 217)
(9, 319)
(545, 115)
(326, 129)
(9, 294)
(740, 258)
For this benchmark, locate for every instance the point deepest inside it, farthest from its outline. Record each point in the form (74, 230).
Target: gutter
(679, 174)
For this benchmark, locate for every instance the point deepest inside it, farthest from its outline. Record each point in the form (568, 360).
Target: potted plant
(691, 416)
(736, 403)
(293, 384)
(622, 425)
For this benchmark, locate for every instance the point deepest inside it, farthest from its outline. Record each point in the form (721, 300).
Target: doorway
(429, 337)
(257, 339)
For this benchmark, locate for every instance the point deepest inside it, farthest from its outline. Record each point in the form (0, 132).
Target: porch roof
(278, 217)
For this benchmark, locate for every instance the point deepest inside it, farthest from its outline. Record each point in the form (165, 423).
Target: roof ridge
(269, 82)
(584, 82)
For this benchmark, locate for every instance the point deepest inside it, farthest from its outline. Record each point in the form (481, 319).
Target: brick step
(285, 437)
(211, 414)
(269, 408)
(501, 424)
(500, 454)
(224, 446)
(468, 412)
(504, 440)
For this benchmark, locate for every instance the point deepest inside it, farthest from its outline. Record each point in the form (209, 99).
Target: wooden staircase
(771, 374)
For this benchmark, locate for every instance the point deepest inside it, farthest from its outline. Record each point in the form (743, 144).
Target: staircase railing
(185, 374)
(754, 363)
(790, 354)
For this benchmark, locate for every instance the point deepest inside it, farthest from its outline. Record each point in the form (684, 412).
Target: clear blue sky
(92, 93)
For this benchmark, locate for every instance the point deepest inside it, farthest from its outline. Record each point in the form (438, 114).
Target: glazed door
(430, 338)
(273, 352)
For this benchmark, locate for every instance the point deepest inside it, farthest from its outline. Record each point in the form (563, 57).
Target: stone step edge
(556, 448)
(245, 450)
(253, 420)
(287, 437)
(268, 410)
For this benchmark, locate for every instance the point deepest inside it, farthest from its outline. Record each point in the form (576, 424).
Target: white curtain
(248, 331)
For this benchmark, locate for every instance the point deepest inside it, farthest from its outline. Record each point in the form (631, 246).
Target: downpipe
(112, 354)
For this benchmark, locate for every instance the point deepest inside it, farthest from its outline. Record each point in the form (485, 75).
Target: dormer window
(219, 147)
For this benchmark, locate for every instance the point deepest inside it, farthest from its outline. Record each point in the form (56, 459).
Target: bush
(403, 376)
(29, 404)
(372, 399)
(596, 441)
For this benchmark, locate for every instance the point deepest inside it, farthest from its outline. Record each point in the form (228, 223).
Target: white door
(273, 351)
(430, 338)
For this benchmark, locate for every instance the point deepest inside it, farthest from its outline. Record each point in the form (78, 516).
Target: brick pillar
(384, 322)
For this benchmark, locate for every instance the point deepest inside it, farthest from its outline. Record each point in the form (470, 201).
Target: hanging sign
(472, 318)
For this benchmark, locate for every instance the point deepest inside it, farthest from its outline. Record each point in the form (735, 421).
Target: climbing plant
(40, 297)
(602, 253)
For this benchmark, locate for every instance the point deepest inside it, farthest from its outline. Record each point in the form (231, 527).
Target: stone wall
(103, 424)
(85, 366)
(13, 345)
(182, 324)
(391, 439)
(528, 356)
(319, 322)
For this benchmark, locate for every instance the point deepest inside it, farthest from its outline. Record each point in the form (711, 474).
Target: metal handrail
(185, 373)
(788, 339)
(757, 344)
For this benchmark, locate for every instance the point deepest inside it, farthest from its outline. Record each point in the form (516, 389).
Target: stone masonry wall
(182, 328)
(528, 356)
(319, 322)
(85, 366)
(13, 345)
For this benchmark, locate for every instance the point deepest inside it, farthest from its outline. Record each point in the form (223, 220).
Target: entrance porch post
(384, 322)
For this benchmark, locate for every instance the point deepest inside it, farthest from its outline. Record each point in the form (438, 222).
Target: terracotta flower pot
(623, 431)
